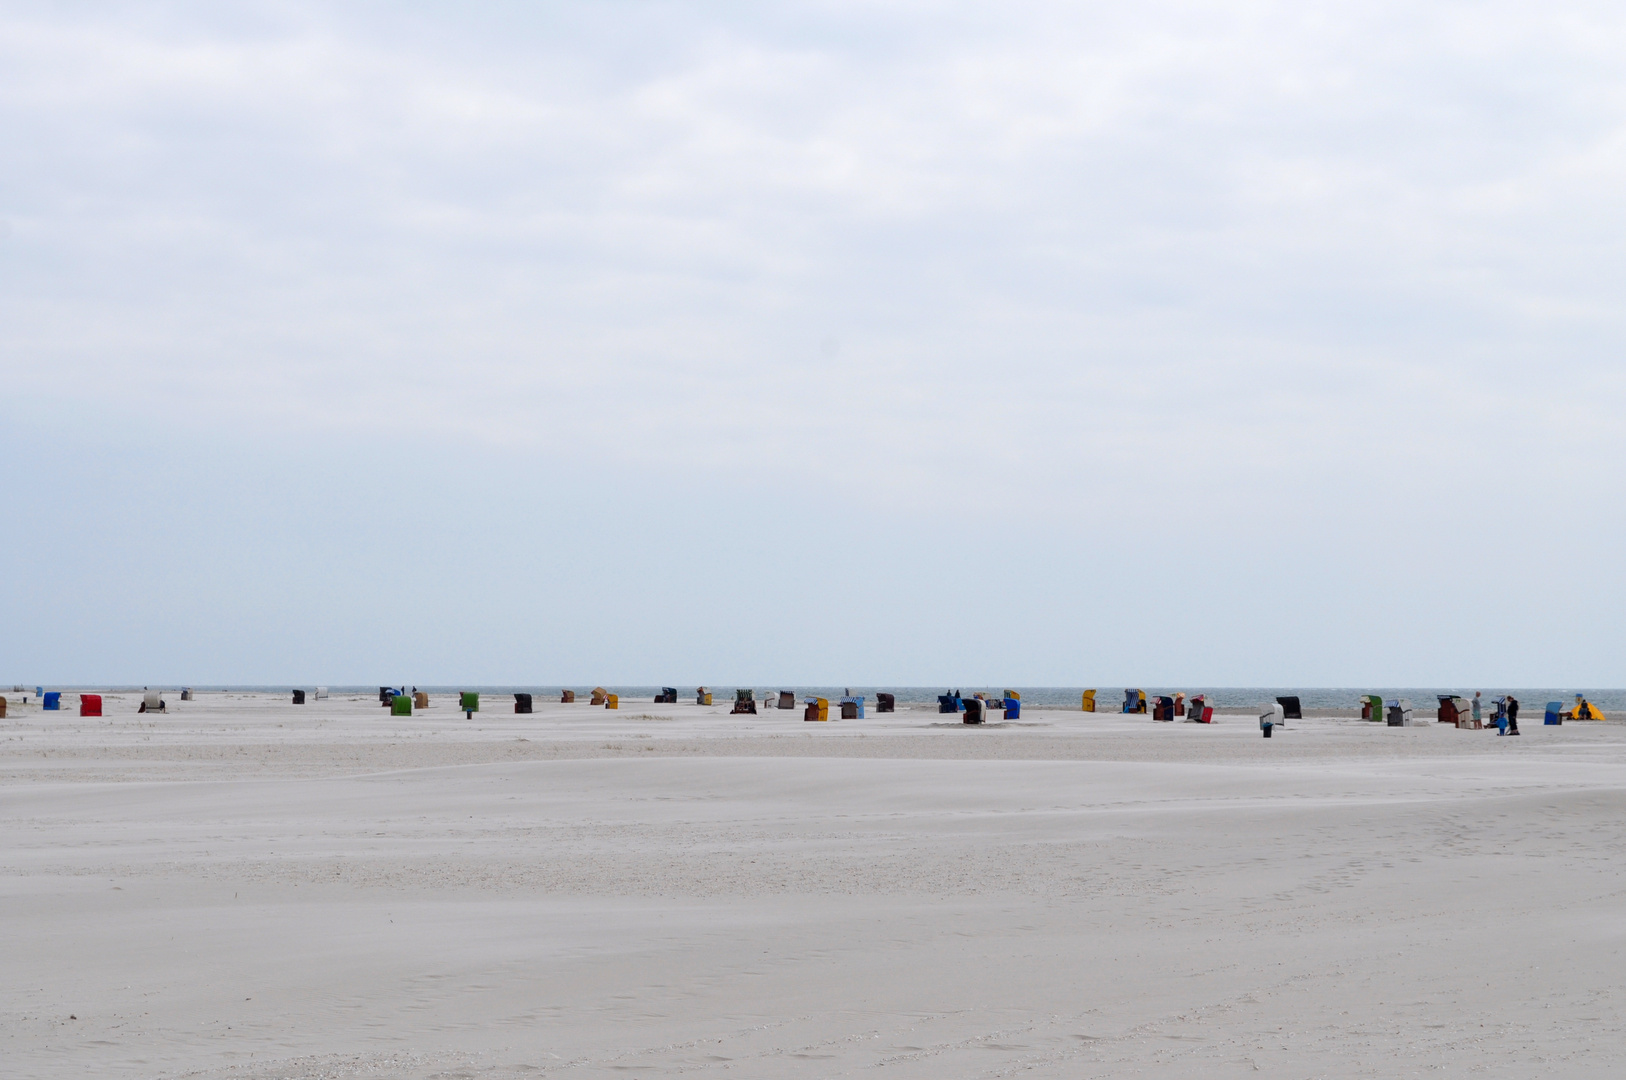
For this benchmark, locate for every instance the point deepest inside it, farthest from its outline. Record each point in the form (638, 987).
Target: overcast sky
(1074, 344)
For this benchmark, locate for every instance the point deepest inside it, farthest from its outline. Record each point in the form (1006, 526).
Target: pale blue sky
(868, 343)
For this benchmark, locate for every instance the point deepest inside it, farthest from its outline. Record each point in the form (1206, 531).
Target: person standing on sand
(1512, 715)
(1476, 710)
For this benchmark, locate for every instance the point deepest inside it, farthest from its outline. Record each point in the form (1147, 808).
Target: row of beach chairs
(977, 706)
(1167, 708)
(1453, 709)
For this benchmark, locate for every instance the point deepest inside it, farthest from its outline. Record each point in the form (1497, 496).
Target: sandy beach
(241, 887)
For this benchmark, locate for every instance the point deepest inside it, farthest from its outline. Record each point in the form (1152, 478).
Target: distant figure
(1476, 709)
(1499, 718)
(1512, 715)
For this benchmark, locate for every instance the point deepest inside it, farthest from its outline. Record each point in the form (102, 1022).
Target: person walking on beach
(1512, 715)
(1476, 710)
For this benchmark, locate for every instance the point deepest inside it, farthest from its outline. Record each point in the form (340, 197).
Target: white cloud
(1233, 255)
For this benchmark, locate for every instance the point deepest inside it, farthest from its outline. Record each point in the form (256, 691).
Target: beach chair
(1555, 713)
(153, 701)
(1013, 706)
(321, 693)
(1134, 701)
(744, 703)
(973, 710)
(702, 696)
(384, 695)
(612, 701)
(787, 700)
(1271, 717)
(522, 703)
(949, 703)
(817, 709)
(299, 699)
(886, 703)
(420, 700)
(1089, 701)
(1397, 712)
(599, 695)
(1163, 710)
(1372, 708)
(1290, 708)
(186, 693)
(1199, 711)
(51, 700)
(667, 696)
(400, 705)
(468, 701)
(852, 708)
(2, 708)
(90, 704)
(567, 697)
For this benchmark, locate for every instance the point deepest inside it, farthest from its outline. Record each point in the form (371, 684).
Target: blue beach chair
(1555, 713)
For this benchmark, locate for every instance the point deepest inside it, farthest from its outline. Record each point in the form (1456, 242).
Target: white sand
(252, 889)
